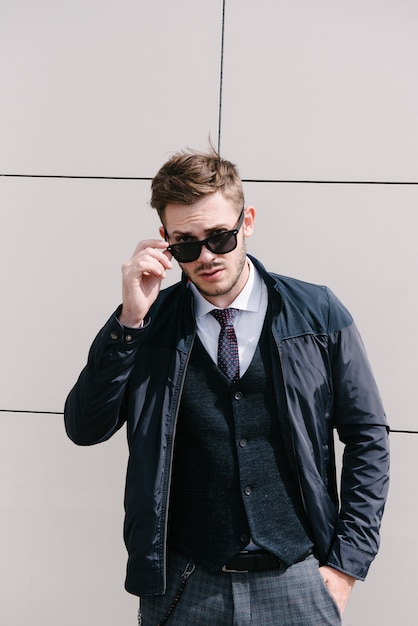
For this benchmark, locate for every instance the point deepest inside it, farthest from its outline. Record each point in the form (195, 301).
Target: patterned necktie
(228, 359)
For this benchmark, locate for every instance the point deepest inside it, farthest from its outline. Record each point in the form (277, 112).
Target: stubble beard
(219, 290)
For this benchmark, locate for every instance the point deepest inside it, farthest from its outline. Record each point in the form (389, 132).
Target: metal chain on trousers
(188, 570)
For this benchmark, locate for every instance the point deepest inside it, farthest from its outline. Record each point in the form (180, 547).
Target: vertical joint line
(221, 77)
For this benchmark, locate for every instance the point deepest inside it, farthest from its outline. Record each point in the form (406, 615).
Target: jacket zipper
(170, 465)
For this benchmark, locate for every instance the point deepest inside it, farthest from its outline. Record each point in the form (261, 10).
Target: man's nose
(206, 255)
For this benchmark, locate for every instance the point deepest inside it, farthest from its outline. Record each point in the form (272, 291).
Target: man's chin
(211, 290)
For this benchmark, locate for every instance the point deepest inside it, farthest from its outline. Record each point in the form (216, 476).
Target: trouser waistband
(256, 561)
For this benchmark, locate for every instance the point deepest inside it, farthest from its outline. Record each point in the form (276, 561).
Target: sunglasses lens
(186, 252)
(222, 243)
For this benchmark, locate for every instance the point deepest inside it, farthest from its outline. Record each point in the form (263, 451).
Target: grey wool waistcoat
(232, 480)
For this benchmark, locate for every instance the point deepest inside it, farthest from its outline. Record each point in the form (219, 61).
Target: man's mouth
(210, 274)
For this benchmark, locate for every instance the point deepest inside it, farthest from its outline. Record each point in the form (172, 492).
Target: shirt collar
(247, 300)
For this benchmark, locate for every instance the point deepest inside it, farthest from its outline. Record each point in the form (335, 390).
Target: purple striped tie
(228, 359)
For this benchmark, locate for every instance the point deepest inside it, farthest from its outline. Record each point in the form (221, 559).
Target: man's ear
(249, 217)
(162, 231)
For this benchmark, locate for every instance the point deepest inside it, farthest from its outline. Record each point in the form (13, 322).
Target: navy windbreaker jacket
(136, 376)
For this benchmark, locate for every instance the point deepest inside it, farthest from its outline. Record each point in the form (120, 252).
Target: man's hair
(189, 175)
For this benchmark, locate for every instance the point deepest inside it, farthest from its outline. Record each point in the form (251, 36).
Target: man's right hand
(141, 280)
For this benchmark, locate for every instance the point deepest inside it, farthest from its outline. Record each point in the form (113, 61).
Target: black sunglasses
(188, 251)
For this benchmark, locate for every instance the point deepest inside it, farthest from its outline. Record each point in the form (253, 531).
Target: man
(231, 383)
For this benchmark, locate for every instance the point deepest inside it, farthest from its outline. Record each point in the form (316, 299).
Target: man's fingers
(148, 259)
(154, 244)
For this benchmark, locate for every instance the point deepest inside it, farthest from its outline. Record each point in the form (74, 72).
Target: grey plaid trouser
(296, 596)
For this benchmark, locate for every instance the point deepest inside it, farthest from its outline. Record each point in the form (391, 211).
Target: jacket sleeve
(362, 428)
(95, 407)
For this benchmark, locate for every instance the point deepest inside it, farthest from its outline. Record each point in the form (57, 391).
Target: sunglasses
(222, 243)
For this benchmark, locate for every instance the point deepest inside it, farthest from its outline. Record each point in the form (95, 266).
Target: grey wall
(318, 108)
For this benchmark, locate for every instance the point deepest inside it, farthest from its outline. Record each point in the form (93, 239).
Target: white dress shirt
(252, 305)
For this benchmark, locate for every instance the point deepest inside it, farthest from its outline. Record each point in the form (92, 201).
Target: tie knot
(225, 317)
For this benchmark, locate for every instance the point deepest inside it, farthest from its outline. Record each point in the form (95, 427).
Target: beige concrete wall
(318, 108)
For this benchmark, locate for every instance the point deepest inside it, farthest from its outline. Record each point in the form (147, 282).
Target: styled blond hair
(189, 175)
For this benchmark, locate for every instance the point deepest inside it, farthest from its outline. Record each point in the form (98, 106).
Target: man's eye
(184, 239)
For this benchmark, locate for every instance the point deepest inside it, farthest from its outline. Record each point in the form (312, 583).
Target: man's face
(218, 277)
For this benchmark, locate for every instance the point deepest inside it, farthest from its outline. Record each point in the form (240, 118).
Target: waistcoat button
(238, 395)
